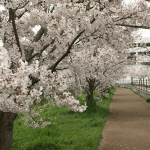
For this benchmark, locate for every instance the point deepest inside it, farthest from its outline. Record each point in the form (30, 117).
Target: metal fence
(142, 84)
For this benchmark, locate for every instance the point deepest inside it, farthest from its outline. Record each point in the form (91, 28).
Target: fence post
(131, 80)
(143, 84)
(136, 82)
(146, 84)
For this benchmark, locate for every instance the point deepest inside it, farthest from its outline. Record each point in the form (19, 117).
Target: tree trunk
(90, 96)
(6, 129)
(91, 83)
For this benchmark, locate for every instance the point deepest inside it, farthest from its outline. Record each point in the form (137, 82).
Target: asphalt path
(128, 126)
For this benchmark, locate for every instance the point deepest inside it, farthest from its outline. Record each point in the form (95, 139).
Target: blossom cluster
(17, 97)
(37, 121)
(70, 102)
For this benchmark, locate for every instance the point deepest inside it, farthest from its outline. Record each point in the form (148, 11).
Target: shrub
(148, 100)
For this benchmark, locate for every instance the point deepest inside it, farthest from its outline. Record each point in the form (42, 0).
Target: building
(141, 47)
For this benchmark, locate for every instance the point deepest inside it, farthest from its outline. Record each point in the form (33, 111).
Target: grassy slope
(71, 131)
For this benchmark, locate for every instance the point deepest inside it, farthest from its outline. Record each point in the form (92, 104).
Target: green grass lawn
(69, 130)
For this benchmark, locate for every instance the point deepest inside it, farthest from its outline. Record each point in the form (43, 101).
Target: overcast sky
(145, 32)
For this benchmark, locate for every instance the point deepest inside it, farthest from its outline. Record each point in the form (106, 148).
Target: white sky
(134, 1)
(1, 8)
(1, 43)
(144, 32)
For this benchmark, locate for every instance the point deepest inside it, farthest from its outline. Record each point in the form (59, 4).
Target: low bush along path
(128, 126)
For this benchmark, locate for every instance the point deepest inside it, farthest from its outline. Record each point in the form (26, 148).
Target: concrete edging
(142, 93)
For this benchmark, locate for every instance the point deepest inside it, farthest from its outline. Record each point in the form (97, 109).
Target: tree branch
(12, 13)
(29, 59)
(87, 36)
(61, 68)
(133, 26)
(34, 81)
(22, 6)
(92, 20)
(44, 47)
(22, 14)
(113, 66)
(53, 67)
(124, 17)
(52, 50)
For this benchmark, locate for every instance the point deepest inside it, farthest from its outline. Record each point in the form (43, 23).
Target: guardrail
(142, 84)
(144, 92)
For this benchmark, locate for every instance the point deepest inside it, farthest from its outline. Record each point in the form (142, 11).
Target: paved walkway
(128, 126)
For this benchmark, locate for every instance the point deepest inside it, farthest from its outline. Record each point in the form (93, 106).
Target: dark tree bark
(6, 129)
(91, 84)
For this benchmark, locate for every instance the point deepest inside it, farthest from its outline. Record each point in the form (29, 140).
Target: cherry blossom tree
(67, 27)
(24, 77)
(97, 69)
(138, 71)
